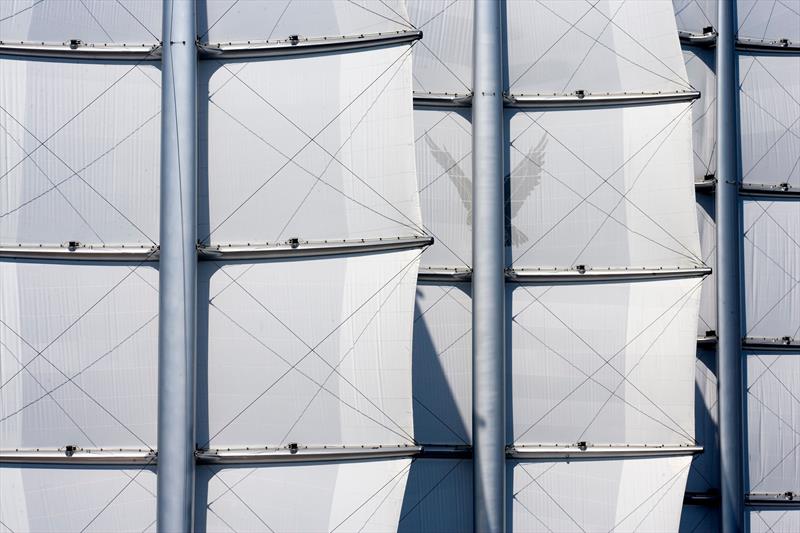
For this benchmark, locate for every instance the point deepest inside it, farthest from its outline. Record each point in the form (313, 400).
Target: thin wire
(442, 422)
(525, 507)
(12, 15)
(401, 17)
(380, 504)
(445, 65)
(769, 19)
(142, 24)
(117, 495)
(244, 503)
(552, 499)
(433, 488)
(437, 15)
(380, 15)
(220, 18)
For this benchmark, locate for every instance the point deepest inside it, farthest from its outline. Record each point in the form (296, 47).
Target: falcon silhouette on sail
(527, 174)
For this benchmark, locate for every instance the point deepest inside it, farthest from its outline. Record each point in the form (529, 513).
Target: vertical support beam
(488, 262)
(178, 269)
(729, 346)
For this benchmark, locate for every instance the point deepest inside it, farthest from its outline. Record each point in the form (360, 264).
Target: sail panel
(81, 152)
(438, 496)
(774, 520)
(356, 496)
(700, 65)
(57, 499)
(695, 15)
(312, 351)
(611, 495)
(609, 363)
(78, 355)
(90, 21)
(560, 46)
(706, 218)
(332, 158)
(769, 20)
(602, 188)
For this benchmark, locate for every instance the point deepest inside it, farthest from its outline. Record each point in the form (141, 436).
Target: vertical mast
(729, 348)
(488, 258)
(178, 268)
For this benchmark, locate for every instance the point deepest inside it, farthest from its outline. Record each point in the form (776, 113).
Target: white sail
(695, 15)
(700, 66)
(773, 521)
(761, 20)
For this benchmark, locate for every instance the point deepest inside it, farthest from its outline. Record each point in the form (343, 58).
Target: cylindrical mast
(728, 275)
(488, 282)
(178, 269)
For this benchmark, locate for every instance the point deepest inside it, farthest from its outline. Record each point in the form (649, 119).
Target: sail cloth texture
(772, 268)
(642, 494)
(769, 20)
(695, 15)
(91, 499)
(701, 68)
(773, 418)
(80, 156)
(78, 355)
(624, 377)
(322, 497)
(774, 520)
(329, 156)
(311, 351)
(706, 220)
(224, 20)
(770, 118)
(602, 188)
(90, 21)
(560, 46)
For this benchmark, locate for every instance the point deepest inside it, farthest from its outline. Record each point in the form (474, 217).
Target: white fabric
(96, 179)
(443, 60)
(438, 497)
(276, 126)
(56, 500)
(611, 495)
(91, 21)
(265, 386)
(443, 139)
(694, 15)
(704, 473)
(772, 267)
(302, 498)
(762, 19)
(609, 363)
(774, 520)
(95, 328)
(699, 519)
(773, 419)
(770, 119)
(559, 46)
(442, 365)
(708, 244)
(700, 65)
(226, 20)
(603, 188)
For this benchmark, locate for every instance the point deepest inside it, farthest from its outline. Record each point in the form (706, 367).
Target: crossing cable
(24, 9)
(699, 7)
(437, 15)
(787, 455)
(326, 337)
(312, 139)
(380, 504)
(442, 422)
(608, 361)
(404, 23)
(445, 65)
(81, 111)
(401, 17)
(249, 508)
(552, 499)
(225, 13)
(142, 24)
(605, 181)
(430, 491)
(74, 173)
(321, 386)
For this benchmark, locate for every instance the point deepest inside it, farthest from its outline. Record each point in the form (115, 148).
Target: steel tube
(178, 269)
(488, 290)
(728, 275)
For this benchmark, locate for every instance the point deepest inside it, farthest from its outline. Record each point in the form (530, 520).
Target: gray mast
(178, 269)
(729, 347)
(488, 282)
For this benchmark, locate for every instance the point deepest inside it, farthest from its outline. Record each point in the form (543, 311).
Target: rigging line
(433, 488)
(552, 499)
(153, 35)
(12, 15)
(440, 354)
(76, 115)
(313, 139)
(277, 21)
(445, 65)
(236, 495)
(442, 422)
(6, 526)
(539, 475)
(605, 181)
(119, 493)
(405, 55)
(563, 34)
(421, 85)
(772, 116)
(642, 46)
(448, 6)
(711, 158)
(784, 4)
(60, 192)
(785, 387)
(779, 463)
(218, 19)
(334, 369)
(445, 171)
(47, 394)
(708, 108)
(404, 19)
(771, 260)
(336, 153)
(62, 384)
(440, 242)
(769, 527)
(39, 353)
(151, 524)
(765, 315)
(96, 21)
(628, 191)
(380, 504)
(760, 216)
(634, 63)
(743, 79)
(425, 133)
(461, 305)
(658, 489)
(382, 16)
(766, 367)
(319, 178)
(789, 425)
(769, 19)
(76, 174)
(400, 473)
(614, 394)
(439, 299)
(703, 12)
(789, 93)
(621, 350)
(741, 25)
(656, 504)
(230, 527)
(334, 330)
(525, 507)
